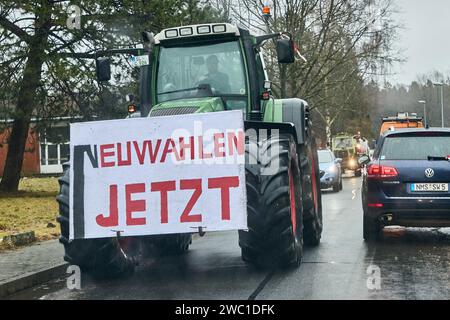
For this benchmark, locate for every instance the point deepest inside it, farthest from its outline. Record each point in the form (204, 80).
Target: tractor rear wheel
(312, 199)
(104, 258)
(274, 204)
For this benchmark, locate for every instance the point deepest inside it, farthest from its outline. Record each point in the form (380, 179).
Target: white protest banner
(158, 175)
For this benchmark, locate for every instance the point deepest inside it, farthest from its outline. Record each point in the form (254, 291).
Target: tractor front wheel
(274, 204)
(104, 258)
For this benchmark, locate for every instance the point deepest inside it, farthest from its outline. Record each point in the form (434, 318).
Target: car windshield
(184, 71)
(415, 147)
(325, 157)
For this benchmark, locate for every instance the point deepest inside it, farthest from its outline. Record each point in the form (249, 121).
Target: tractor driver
(216, 79)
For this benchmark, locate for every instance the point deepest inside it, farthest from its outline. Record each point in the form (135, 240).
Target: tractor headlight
(352, 163)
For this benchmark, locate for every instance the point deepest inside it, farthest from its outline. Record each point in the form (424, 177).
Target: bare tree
(345, 42)
(43, 58)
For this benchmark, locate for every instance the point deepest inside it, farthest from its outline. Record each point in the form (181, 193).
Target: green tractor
(219, 67)
(349, 148)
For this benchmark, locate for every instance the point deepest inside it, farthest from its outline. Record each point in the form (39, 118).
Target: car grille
(172, 111)
(322, 173)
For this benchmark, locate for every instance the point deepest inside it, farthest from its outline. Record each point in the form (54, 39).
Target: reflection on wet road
(411, 263)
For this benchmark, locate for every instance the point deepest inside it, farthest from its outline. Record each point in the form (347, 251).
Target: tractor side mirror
(103, 69)
(285, 51)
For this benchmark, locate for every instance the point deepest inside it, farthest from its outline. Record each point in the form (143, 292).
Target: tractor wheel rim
(314, 186)
(292, 202)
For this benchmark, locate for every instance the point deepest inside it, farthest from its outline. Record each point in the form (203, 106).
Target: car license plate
(429, 187)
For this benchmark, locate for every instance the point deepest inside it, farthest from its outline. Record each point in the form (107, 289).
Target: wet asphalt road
(412, 263)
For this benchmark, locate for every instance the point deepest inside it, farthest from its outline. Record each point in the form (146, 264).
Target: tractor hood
(185, 106)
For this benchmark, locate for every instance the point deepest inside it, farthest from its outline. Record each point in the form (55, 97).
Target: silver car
(330, 170)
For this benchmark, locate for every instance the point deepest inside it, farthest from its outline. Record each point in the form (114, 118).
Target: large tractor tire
(104, 258)
(274, 204)
(312, 195)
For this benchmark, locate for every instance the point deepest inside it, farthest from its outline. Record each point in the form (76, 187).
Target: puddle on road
(402, 234)
(414, 263)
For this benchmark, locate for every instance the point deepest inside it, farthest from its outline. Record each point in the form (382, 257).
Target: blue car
(407, 182)
(330, 170)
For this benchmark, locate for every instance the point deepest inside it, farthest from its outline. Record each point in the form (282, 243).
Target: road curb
(31, 279)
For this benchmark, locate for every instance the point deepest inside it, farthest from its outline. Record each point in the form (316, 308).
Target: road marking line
(353, 194)
(261, 285)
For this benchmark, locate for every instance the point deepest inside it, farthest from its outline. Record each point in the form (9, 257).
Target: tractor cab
(200, 68)
(205, 68)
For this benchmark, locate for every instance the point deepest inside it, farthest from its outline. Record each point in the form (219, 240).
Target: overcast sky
(424, 39)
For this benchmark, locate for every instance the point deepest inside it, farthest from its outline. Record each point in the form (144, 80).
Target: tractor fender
(296, 112)
(282, 127)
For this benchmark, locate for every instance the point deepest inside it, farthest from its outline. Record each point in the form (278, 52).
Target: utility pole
(424, 111)
(440, 84)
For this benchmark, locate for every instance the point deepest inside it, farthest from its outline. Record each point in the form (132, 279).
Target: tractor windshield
(343, 142)
(212, 69)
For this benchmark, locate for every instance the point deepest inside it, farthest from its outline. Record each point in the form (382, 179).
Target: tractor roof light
(203, 29)
(196, 31)
(186, 31)
(266, 10)
(219, 28)
(172, 33)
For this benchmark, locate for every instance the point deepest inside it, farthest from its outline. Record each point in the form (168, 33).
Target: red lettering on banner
(169, 148)
(219, 146)
(134, 205)
(147, 146)
(113, 219)
(238, 142)
(104, 154)
(148, 151)
(224, 184)
(164, 187)
(184, 146)
(202, 155)
(196, 185)
(120, 161)
(154, 153)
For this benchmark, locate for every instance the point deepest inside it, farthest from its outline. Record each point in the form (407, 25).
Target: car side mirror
(285, 51)
(338, 160)
(103, 69)
(365, 159)
(374, 144)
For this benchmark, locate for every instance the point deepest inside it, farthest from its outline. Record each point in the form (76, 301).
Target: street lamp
(440, 84)
(424, 111)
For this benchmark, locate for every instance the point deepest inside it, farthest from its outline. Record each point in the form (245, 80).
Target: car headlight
(332, 169)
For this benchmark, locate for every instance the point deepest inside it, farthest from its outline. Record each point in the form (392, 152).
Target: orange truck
(401, 120)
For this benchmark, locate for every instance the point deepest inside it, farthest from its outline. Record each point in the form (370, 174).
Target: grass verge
(32, 208)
